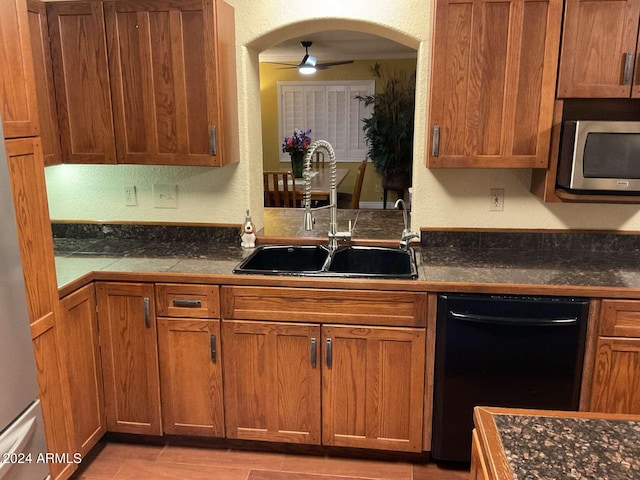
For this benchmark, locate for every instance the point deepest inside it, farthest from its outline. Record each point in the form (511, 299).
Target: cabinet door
(163, 60)
(191, 374)
(272, 381)
(129, 351)
(478, 465)
(78, 329)
(53, 394)
(81, 74)
(373, 387)
(493, 83)
(41, 50)
(18, 101)
(598, 41)
(616, 383)
(26, 171)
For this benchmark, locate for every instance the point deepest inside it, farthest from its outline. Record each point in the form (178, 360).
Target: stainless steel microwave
(600, 156)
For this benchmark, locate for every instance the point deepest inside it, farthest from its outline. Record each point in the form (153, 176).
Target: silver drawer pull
(329, 353)
(187, 303)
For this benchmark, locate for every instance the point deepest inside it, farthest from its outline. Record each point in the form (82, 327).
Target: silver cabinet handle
(147, 318)
(435, 148)
(313, 352)
(212, 139)
(329, 353)
(212, 345)
(187, 303)
(628, 68)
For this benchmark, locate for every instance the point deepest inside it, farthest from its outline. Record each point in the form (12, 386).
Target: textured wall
(456, 198)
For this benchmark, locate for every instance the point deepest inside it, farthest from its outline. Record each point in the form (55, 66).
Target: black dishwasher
(503, 351)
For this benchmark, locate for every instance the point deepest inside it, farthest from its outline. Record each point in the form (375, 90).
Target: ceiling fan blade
(291, 65)
(333, 64)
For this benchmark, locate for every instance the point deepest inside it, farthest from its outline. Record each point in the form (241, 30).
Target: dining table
(320, 182)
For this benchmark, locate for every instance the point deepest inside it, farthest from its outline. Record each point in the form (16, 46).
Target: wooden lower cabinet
(53, 396)
(272, 381)
(129, 351)
(478, 464)
(616, 371)
(373, 387)
(79, 341)
(191, 376)
(616, 383)
(372, 382)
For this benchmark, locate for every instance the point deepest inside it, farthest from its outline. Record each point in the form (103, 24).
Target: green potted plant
(389, 129)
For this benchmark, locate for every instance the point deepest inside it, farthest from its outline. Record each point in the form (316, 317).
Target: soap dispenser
(248, 235)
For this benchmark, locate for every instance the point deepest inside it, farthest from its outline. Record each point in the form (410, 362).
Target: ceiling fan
(309, 64)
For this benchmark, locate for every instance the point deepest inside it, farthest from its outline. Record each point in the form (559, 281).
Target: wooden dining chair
(352, 200)
(280, 189)
(319, 160)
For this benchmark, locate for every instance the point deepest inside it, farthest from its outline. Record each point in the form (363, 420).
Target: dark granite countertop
(444, 258)
(553, 448)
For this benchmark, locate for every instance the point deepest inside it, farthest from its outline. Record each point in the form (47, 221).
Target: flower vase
(297, 163)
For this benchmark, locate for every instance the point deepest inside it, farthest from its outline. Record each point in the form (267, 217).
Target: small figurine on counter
(247, 235)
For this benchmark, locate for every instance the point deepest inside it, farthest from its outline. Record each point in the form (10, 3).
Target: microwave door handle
(628, 68)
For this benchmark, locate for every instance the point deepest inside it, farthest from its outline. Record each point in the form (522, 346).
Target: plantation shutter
(330, 110)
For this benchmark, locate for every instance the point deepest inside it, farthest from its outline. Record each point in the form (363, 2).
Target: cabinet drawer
(183, 300)
(620, 318)
(361, 307)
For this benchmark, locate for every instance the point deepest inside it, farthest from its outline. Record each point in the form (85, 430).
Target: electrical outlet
(165, 196)
(497, 200)
(378, 188)
(130, 199)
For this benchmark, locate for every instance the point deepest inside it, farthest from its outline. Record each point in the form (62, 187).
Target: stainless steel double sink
(319, 260)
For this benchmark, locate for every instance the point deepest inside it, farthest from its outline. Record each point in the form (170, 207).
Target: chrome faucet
(334, 234)
(406, 233)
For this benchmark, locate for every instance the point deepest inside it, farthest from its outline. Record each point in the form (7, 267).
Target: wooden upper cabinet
(172, 66)
(81, 73)
(493, 83)
(18, 102)
(599, 43)
(40, 46)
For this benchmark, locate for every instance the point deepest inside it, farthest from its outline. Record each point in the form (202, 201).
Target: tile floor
(122, 461)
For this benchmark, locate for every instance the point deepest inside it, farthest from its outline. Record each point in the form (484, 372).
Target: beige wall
(271, 74)
(446, 198)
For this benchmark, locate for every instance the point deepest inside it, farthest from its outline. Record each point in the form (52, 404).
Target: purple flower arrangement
(298, 142)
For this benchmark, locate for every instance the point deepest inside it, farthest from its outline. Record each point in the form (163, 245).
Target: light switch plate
(165, 196)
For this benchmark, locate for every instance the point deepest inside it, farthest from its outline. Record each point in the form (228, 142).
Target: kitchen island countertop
(546, 445)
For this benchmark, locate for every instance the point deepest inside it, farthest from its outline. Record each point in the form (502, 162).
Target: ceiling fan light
(308, 65)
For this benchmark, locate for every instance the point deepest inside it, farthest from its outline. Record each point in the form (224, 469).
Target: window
(330, 110)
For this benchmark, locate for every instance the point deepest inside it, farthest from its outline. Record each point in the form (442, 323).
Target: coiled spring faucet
(334, 234)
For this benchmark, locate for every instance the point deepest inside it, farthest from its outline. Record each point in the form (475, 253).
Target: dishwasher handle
(516, 321)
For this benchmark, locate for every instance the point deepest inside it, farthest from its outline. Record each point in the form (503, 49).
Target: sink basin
(317, 260)
(285, 260)
(384, 262)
